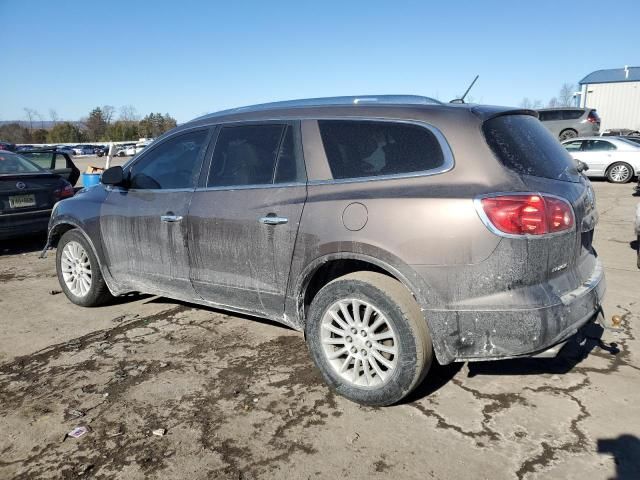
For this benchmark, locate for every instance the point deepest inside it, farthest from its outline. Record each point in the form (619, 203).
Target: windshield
(526, 147)
(11, 163)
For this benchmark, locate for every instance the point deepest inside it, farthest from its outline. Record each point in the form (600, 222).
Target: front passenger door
(143, 226)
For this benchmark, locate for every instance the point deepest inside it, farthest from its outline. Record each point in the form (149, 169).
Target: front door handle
(170, 218)
(273, 220)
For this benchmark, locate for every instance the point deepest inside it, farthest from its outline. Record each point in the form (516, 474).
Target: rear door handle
(273, 220)
(170, 218)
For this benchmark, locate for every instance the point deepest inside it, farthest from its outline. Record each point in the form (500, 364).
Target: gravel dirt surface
(237, 397)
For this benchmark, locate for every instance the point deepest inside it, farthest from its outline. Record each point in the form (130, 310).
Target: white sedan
(615, 158)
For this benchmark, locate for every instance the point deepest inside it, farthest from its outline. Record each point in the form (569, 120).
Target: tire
(567, 134)
(638, 251)
(619, 172)
(74, 253)
(396, 321)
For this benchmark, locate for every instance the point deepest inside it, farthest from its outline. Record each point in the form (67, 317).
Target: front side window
(372, 148)
(573, 146)
(172, 164)
(248, 155)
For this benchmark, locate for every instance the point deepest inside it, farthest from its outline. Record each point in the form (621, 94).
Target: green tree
(14, 133)
(39, 136)
(122, 130)
(155, 124)
(96, 125)
(65, 132)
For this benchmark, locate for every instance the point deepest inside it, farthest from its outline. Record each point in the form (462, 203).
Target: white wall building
(615, 94)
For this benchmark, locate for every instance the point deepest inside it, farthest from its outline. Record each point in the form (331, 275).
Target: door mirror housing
(114, 176)
(581, 166)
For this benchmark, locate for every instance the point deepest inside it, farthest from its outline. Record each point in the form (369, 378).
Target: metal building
(615, 94)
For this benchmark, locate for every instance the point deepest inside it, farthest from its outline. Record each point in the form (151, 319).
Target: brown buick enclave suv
(392, 230)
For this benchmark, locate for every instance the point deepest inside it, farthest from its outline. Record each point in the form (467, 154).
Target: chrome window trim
(477, 203)
(111, 188)
(251, 187)
(448, 163)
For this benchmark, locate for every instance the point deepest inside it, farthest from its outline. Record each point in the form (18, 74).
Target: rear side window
(524, 146)
(598, 146)
(550, 115)
(370, 148)
(572, 114)
(254, 155)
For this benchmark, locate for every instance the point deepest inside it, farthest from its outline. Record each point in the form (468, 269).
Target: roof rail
(330, 101)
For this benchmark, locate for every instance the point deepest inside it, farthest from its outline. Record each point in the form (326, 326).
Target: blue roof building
(615, 94)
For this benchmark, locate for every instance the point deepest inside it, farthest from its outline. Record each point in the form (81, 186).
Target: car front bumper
(17, 224)
(477, 335)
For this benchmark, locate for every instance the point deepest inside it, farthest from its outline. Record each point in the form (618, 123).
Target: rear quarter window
(524, 146)
(356, 149)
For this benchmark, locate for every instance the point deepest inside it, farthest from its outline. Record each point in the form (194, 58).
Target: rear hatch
(26, 193)
(526, 148)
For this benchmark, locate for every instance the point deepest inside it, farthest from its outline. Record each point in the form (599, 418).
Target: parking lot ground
(239, 398)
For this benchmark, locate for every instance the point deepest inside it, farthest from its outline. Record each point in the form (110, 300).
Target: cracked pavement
(239, 397)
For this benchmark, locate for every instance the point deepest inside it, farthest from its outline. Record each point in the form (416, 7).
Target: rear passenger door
(244, 217)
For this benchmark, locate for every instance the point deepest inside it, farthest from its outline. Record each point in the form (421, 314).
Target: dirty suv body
(391, 230)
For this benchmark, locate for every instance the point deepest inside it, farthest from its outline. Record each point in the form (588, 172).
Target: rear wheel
(567, 134)
(79, 272)
(368, 338)
(619, 172)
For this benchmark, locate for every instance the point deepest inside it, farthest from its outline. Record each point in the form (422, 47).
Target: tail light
(65, 192)
(526, 214)
(593, 117)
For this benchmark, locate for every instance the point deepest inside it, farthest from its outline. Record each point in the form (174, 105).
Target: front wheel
(620, 172)
(79, 272)
(369, 338)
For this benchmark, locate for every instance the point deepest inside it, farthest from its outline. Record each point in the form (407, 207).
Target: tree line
(99, 126)
(565, 98)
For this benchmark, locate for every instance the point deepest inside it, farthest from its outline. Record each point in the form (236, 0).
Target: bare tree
(107, 113)
(128, 113)
(565, 98)
(531, 104)
(53, 115)
(553, 103)
(31, 115)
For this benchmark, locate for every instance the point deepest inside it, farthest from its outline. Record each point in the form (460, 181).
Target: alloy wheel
(76, 269)
(359, 343)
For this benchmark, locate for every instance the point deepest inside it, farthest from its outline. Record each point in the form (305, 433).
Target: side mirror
(582, 167)
(113, 176)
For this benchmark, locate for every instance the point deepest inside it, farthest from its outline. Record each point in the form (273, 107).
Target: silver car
(566, 123)
(615, 158)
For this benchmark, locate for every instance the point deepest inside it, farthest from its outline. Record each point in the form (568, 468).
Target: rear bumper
(475, 335)
(17, 224)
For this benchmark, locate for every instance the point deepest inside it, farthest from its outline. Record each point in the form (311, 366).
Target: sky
(191, 57)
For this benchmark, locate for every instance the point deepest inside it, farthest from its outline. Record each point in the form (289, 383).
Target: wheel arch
(57, 230)
(333, 265)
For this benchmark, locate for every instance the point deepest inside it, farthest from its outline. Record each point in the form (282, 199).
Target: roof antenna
(461, 99)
